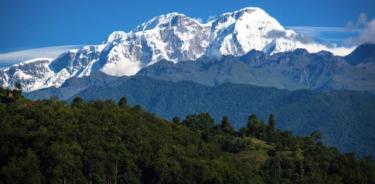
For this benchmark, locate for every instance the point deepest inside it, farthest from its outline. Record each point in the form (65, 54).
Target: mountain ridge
(174, 37)
(363, 54)
(291, 70)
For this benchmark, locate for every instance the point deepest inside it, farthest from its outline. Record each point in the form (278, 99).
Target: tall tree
(272, 122)
(123, 102)
(77, 102)
(225, 125)
(316, 136)
(251, 120)
(17, 89)
(176, 120)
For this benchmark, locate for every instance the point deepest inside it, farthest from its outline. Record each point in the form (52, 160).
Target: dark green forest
(345, 118)
(51, 141)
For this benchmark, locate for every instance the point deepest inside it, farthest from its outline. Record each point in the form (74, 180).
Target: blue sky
(26, 24)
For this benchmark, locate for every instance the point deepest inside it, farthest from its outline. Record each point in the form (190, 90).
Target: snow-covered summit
(174, 37)
(117, 36)
(173, 19)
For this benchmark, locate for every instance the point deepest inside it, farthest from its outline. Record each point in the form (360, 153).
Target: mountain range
(291, 70)
(173, 37)
(238, 63)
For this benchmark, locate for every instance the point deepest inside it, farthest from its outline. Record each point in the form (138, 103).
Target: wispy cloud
(359, 24)
(10, 58)
(316, 31)
(352, 34)
(333, 36)
(282, 34)
(367, 35)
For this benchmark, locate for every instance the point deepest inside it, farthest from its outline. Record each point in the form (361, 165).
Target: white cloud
(358, 32)
(315, 47)
(308, 35)
(359, 24)
(367, 33)
(329, 36)
(14, 57)
(366, 36)
(316, 31)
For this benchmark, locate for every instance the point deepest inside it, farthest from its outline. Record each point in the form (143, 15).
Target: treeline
(50, 141)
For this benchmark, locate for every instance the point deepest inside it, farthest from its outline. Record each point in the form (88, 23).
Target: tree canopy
(50, 141)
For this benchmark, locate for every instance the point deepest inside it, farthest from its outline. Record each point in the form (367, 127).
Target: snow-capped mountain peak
(169, 20)
(253, 16)
(117, 36)
(174, 37)
(238, 32)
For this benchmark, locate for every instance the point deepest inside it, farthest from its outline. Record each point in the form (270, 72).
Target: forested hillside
(50, 141)
(346, 118)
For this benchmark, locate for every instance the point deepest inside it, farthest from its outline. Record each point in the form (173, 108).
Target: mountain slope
(173, 37)
(288, 70)
(362, 54)
(347, 119)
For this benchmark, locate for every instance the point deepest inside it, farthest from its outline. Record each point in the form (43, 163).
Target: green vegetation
(50, 141)
(345, 118)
